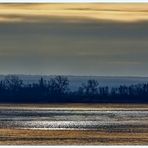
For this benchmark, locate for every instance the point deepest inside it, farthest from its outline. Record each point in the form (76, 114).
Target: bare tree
(12, 82)
(58, 85)
(90, 88)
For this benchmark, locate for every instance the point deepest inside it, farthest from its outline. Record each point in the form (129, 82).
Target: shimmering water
(71, 119)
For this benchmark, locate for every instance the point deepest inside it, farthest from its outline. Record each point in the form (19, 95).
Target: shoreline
(76, 107)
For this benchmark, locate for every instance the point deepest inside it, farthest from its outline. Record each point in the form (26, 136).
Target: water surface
(38, 118)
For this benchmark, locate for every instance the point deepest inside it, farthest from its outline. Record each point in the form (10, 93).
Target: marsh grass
(70, 137)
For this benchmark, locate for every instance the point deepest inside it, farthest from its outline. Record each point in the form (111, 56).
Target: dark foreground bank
(75, 137)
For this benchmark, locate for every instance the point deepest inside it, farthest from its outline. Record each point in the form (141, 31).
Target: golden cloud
(73, 12)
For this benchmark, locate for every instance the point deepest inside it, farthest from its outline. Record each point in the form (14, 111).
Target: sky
(74, 39)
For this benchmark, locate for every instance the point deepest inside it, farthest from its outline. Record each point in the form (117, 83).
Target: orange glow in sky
(73, 12)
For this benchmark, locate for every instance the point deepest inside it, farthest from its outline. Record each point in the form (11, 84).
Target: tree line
(56, 90)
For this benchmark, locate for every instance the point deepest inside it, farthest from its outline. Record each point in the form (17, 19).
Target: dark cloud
(96, 48)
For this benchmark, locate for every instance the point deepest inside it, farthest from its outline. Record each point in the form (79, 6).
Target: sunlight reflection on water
(70, 119)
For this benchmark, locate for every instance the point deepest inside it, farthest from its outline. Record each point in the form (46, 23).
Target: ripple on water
(70, 119)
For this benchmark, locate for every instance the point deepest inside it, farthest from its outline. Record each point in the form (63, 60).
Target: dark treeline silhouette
(56, 90)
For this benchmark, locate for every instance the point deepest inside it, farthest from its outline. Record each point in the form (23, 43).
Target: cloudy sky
(74, 39)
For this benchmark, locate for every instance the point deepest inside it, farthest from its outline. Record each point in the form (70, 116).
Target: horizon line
(69, 75)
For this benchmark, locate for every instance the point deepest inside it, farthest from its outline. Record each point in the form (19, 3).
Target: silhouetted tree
(123, 90)
(113, 91)
(58, 86)
(42, 84)
(41, 88)
(89, 89)
(104, 91)
(12, 89)
(13, 83)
